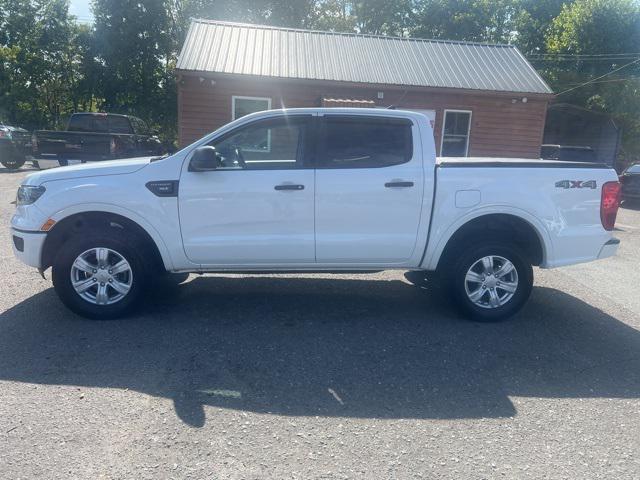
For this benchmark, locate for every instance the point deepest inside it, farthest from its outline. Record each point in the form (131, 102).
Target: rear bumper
(27, 246)
(609, 249)
(631, 187)
(635, 194)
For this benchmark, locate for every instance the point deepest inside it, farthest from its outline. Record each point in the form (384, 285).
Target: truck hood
(93, 169)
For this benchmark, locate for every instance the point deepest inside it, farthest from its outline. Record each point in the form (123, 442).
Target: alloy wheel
(491, 281)
(101, 276)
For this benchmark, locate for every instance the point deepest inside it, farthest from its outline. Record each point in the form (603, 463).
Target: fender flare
(433, 255)
(123, 212)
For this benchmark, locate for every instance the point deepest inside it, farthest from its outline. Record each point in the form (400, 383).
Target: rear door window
(88, 123)
(119, 125)
(139, 126)
(364, 142)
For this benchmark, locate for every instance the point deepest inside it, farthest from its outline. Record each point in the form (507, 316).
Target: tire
(488, 299)
(113, 249)
(13, 164)
(36, 164)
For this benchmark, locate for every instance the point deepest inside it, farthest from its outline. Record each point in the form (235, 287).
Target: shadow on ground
(23, 169)
(385, 349)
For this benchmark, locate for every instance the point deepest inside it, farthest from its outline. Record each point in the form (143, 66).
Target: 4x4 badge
(576, 184)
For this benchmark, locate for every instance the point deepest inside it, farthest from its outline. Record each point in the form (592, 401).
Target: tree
(39, 61)
(135, 59)
(604, 29)
(384, 17)
(469, 20)
(532, 23)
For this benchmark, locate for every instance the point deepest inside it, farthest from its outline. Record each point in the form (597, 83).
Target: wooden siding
(500, 127)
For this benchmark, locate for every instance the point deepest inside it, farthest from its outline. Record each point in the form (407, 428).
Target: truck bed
(83, 146)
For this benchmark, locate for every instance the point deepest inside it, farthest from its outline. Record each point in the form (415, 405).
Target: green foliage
(134, 53)
(602, 26)
(607, 28)
(40, 62)
(470, 20)
(532, 23)
(50, 66)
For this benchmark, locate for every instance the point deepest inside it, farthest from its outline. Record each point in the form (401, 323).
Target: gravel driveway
(317, 376)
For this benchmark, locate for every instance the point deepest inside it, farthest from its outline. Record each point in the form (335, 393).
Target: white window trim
(444, 122)
(240, 97)
(233, 116)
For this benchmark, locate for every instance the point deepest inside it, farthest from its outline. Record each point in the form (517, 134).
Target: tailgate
(73, 145)
(630, 184)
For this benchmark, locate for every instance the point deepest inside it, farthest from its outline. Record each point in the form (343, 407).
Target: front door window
(265, 144)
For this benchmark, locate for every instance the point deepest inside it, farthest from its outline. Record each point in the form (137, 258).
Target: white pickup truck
(314, 190)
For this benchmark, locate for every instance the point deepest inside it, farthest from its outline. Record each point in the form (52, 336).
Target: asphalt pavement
(323, 377)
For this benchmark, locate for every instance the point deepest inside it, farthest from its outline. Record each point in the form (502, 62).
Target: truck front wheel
(491, 281)
(99, 276)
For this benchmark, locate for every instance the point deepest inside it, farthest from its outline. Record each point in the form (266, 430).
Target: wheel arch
(71, 222)
(523, 229)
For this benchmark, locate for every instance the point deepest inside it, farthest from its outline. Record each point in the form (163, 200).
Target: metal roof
(234, 48)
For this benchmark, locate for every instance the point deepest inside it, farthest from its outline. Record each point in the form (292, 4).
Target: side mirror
(204, 159)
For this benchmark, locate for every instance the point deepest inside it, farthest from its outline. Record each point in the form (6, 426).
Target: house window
(455, 134)
(242, 106)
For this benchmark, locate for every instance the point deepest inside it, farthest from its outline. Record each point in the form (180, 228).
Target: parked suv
(14, 143)
(630, 180)
(314, 190)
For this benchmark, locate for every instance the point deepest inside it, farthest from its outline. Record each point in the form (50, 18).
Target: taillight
(5, 134)
(609, 204)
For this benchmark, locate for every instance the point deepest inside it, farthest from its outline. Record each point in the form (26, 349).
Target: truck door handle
(398, 184)
(289, 186)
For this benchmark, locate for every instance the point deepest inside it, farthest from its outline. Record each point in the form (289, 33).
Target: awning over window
(347, 102)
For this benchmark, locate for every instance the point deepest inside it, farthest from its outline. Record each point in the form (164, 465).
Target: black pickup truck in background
(14, 145)
(568, 153)
(630, 181)
(94, 137)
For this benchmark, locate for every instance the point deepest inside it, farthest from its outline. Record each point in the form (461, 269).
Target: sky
(82, 10)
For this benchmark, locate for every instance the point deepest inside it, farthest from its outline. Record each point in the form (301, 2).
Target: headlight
(27, 194)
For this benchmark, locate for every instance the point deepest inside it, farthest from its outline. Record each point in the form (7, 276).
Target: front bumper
(28, 245)
(609, 249)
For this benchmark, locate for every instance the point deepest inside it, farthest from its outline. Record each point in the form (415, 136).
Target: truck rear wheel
(99, 276)
(13, 163)
(491, 281)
